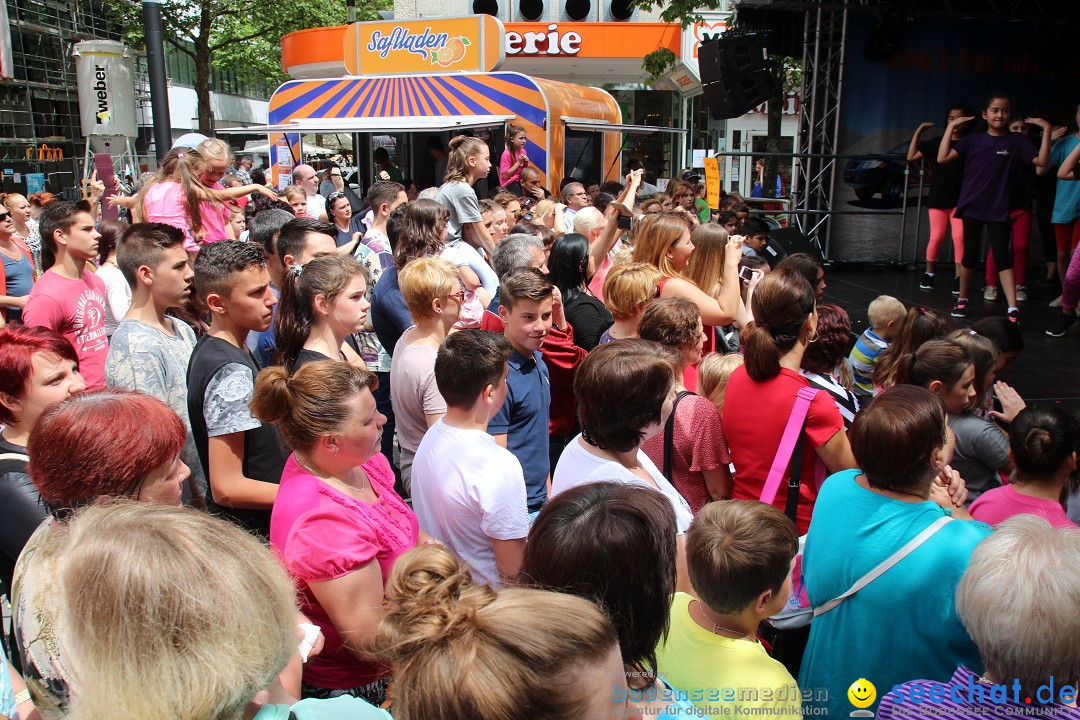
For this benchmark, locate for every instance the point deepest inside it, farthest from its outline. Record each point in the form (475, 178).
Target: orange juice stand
(437, 76)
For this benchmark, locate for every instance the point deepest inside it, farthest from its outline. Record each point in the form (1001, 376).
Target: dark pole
(159, 91)
(350, 11)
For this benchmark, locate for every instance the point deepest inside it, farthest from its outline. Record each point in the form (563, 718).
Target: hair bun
(431, 598)
(456, 141)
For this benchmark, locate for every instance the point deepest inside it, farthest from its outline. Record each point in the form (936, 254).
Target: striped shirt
(968, 696)
(863, 358)
(845, 400)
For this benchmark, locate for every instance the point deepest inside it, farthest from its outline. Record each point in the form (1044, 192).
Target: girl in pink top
(337, 524)
(1042, 444)
(177, 196)
(513, 159)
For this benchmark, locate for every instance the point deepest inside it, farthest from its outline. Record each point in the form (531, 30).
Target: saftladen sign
(457, 44)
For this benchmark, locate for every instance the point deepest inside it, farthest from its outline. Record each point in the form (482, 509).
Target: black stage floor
(1047, 371)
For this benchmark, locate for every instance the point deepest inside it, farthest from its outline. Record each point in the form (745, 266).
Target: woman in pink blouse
(337, 523)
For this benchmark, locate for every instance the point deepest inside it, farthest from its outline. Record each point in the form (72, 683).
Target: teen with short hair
(739, 555)
(303, 239)
(69, 298)
(241, 457)
(150, 351)
(382, 198)
(468, 491)
(527, 310)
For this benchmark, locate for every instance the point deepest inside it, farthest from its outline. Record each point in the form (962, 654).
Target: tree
(239, 35)
(786, 73)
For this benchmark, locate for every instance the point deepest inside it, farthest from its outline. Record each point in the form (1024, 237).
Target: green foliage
(245, 35)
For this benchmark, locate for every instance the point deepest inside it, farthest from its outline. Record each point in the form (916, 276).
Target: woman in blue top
(614, 544)
(904, 623)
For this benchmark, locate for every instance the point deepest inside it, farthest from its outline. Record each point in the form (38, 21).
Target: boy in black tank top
(241, 457)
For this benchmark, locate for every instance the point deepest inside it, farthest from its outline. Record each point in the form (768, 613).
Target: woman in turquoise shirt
(903, 624)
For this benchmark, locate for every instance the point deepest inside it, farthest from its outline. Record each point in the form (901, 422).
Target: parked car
(881, 173)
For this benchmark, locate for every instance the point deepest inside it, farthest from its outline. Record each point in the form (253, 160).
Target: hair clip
(972, 332)
(297, 270)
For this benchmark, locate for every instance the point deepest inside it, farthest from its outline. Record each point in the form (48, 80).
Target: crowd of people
(433, 455)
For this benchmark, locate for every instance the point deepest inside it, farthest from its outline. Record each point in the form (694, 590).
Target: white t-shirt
(316, 206)
(578, 466)
(468, 491)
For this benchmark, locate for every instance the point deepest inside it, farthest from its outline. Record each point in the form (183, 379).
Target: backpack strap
(885, 564)
(669, 434)
(790, 450)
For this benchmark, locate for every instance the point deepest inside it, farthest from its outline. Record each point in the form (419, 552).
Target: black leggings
(997, 232)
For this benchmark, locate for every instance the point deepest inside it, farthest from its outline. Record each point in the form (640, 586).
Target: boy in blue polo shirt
(526, 307)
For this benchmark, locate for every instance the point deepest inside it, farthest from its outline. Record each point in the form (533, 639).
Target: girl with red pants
(944, 192)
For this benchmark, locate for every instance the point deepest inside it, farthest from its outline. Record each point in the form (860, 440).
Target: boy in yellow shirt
(739, 554)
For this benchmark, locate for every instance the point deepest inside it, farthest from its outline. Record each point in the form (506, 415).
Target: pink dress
(321, 534)
(215, 216)
(996, 506)
(698, 445)
(505, 163)
(165, 203)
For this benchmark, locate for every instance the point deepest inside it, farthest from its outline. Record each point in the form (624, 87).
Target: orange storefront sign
(390, 47)
(590, 40)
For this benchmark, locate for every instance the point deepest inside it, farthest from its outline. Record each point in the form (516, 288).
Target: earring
(812, 337)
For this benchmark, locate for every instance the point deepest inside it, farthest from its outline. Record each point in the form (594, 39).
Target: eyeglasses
(4, 216)
(459, 296)
(334, 196)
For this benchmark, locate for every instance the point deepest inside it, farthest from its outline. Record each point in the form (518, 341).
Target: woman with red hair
(85, 450)
(824, 363)
(38, 367)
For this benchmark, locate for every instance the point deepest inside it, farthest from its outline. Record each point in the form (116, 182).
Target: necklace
(717, 628)
(12, 252)
(341, 485)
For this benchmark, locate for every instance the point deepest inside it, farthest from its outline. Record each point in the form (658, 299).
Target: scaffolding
(815, 165)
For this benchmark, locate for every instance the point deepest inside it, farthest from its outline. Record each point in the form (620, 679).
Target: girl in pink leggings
(1070, 283)
(944, 192)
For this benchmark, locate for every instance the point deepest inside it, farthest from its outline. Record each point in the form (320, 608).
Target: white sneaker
(990, 292)
(1056, 302)
(1021, 293)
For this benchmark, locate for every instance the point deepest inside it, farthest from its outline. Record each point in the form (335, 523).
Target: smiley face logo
(862, 693)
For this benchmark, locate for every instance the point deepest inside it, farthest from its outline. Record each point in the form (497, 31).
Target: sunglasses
(4, 216)
(459, 296)
(334, 196)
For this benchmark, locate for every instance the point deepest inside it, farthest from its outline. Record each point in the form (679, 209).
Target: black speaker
(791, 241)
(734, 74)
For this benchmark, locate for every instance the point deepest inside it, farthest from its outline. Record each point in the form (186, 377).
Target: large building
(39, 104)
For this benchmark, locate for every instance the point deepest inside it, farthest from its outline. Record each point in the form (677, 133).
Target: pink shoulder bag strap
(789, 454)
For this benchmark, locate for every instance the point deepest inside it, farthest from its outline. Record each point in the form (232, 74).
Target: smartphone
(746, 273)
(625, 223)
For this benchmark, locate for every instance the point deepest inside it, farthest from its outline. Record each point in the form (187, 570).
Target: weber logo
(101, 87)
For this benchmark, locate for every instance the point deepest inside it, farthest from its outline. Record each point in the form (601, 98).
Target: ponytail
(300, 284)
(1041, 440)
(313, 403)
(942, 360)
(782, 303)
(462, 148)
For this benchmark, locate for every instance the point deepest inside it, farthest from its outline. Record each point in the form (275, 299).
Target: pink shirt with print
(76, 310)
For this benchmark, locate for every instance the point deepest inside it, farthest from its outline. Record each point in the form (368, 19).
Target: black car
(882, 173)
